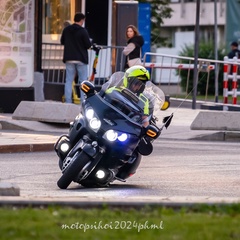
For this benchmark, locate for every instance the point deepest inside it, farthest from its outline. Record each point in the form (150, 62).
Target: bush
(206, 51)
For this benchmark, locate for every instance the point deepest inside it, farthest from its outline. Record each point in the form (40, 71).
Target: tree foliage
(206, 51)
(160, 10)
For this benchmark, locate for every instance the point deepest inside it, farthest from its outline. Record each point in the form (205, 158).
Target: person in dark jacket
(133, 50)
(235, 52)
(76, 43)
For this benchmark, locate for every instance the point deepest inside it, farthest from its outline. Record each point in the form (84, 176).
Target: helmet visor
(135, 85)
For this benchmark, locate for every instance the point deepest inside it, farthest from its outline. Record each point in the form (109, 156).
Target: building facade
(184, 20)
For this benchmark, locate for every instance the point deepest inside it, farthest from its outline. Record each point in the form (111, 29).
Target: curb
(38, 147)
(19, 202)
(219, 136)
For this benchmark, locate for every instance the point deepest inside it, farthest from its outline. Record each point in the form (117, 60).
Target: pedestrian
(76, 43)
(235, 52)
(133, 50)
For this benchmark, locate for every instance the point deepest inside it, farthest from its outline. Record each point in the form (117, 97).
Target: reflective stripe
(146, 104)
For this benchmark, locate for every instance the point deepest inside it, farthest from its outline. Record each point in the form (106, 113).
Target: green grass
(201, 222)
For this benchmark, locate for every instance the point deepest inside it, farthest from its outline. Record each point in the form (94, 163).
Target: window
(55, 13)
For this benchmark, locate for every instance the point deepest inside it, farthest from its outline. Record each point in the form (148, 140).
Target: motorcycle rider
(135, 79)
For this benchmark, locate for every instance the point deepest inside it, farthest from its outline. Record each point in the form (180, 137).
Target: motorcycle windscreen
(116, 115)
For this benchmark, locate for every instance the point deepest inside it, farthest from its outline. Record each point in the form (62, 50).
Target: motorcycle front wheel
(79, 161)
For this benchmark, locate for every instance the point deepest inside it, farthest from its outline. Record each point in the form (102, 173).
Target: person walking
(133, 50)
(76, 42)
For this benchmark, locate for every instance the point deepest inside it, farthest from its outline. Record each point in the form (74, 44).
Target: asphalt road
(177, 171)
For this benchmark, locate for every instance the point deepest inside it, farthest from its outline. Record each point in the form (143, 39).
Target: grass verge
(56, 222)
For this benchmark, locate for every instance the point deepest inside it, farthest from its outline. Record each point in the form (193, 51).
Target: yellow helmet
(137, 71)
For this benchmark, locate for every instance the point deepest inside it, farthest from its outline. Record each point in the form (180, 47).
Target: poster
(16, 43)
(232, 22)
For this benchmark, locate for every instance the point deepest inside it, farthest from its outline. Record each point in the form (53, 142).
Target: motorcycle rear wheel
(79, 161)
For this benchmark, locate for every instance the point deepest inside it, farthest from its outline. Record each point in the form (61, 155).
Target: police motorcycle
(107, 140)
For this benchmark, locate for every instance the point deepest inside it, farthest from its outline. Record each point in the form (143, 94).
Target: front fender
(90, 149)
(93, 151)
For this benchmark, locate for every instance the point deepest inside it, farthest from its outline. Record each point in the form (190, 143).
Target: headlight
(64, 147)
(89, 113)
(95, 123)
(100, 174)
(123, 137)
(112, 135)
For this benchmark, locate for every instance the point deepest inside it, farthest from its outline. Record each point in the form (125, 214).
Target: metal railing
(168, 71)
(110, 59)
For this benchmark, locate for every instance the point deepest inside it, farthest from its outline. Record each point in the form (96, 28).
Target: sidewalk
(31, 136)
(28, 136)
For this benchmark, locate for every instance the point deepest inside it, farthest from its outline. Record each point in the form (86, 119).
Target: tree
(206, 51)
(160, 11)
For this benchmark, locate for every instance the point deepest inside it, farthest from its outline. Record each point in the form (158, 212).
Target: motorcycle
(107, 140)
